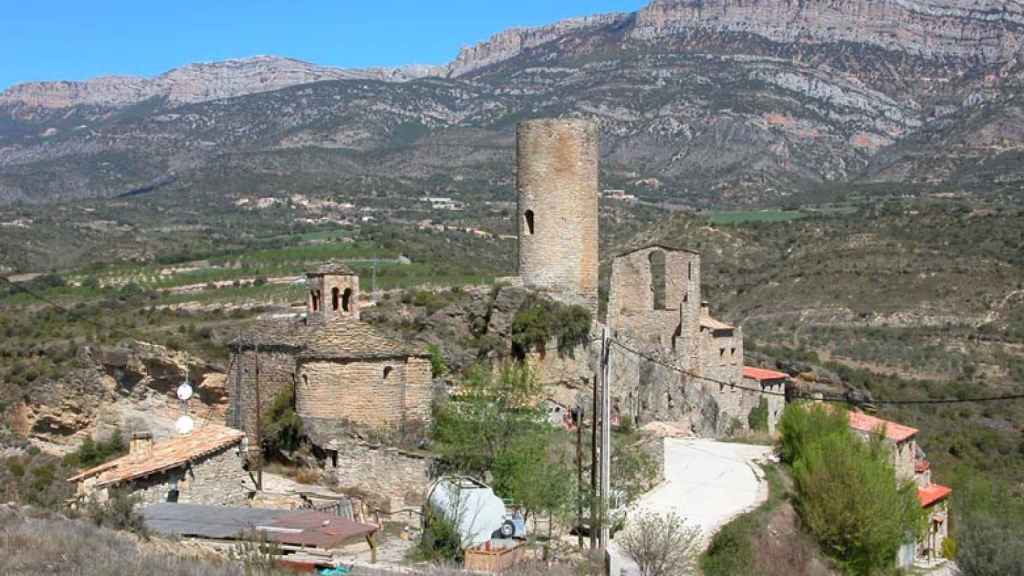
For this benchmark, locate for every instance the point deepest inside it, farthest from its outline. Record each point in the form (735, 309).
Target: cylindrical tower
(558, 207)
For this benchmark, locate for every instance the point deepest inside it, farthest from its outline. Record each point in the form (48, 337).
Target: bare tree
(662, 544)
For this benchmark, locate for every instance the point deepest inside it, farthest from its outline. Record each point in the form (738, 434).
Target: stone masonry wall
(393, 478)
(558, 186)
(216, 480)
(360, 393)
(324, 285)
(277, 373)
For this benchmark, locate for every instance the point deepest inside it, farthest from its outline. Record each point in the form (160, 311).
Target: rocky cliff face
(198, 83)
(131, 388)
(984, 30)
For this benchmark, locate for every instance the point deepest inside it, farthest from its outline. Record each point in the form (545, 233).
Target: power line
(833, 399)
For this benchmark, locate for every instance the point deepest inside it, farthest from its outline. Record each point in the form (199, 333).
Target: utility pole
(259, 425)
(373, 281)
(579, 474)
(595, 518)
(606, 437)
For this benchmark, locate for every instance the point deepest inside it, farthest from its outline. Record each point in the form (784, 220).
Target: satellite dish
(184, 425)
(184, 391)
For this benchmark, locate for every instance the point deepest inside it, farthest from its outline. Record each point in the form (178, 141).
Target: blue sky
(80, 39)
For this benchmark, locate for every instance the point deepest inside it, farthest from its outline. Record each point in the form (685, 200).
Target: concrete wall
(374, 393)
(389, 477)
(277, 374)
(558, 186)
(215, 480)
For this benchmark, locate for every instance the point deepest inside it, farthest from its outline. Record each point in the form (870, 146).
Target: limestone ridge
(990, 30)
(199, 83)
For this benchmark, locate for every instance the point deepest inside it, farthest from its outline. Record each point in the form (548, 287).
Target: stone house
(203, 467)
(347, 381)
(773, 383)
(910, 463)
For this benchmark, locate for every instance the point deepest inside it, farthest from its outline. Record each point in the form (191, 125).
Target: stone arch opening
(387, 371)
(529, 222)
(315, 297)
(657, 262)
(335, 298)
(346, 299)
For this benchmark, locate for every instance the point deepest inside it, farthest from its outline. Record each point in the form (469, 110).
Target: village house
(202, 467)
(910, 463)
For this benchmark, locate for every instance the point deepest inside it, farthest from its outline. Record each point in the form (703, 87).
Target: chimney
(141, 445)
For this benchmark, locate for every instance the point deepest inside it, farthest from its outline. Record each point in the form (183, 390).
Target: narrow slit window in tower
(335, 299)
(657, 261)
(346, 298)
(529, 222)
(315, 296)
(387, 371)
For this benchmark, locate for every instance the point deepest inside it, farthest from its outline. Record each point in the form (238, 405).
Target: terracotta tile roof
(167, 454)
(895, 432)
(932, 494)
(352, 339)
(332, 267)
(762, 374)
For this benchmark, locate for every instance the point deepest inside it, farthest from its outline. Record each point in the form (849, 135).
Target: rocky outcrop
(510, 43)
(131, 387)
(198, 83)
(985, 30)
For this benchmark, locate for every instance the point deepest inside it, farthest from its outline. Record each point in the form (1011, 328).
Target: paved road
(707, 483)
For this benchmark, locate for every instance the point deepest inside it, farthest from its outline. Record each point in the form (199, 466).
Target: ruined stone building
(347, 380)
(655, 303)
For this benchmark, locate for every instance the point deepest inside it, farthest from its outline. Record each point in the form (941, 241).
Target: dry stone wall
(391, 478)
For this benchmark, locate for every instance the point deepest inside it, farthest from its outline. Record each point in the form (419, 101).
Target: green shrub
(118, 513)
(438, 367)
(847, 494)
(282, 431)
(758, 417)
(949, 548)
(540, 320)
(440, 540)
(92, 453)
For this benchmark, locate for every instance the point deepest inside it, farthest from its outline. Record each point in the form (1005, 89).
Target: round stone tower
(558, 207)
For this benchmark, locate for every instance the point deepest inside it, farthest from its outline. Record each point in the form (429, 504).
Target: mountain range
(700, 102)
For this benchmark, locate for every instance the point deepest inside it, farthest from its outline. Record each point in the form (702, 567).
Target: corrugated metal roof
(219, 522)
(165, 455)
(290, 527)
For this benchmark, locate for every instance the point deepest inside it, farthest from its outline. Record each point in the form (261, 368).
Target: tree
(846, 489)
(661, 544)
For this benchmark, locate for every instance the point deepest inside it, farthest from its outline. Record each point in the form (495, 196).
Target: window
(315, 297)
(335, 299)
(689, 270)
(305, 380)
(387, 371)
(529, 222)
(346, 298)
(657, 262)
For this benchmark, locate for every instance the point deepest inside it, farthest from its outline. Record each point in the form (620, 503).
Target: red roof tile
(165, 455)
(893, 431)
(762, 374)
(932, 494)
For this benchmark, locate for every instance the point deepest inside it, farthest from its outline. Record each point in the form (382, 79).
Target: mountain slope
(700, 101)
